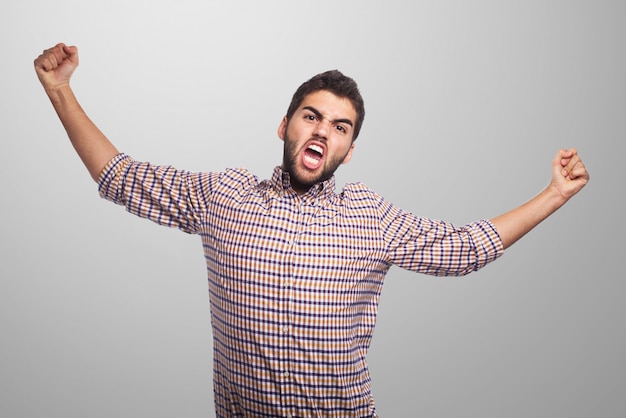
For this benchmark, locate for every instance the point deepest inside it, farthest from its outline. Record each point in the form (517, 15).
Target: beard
(302, 179)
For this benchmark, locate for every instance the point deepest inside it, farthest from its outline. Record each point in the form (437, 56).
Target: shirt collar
(281, 182)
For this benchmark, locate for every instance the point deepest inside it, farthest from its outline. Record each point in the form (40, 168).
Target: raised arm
(54, 68)
(569, 175)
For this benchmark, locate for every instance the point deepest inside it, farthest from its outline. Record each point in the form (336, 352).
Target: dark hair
(338, 84)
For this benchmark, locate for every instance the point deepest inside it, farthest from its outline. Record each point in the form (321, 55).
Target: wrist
(59, 93)
(554, 196)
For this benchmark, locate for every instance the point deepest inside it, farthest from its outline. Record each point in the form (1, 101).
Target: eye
(342, 129)
(310, 117)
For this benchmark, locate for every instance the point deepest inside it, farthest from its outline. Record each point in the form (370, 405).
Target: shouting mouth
(313, 156)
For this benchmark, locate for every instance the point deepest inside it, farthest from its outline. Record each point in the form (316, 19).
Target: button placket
(285, 373)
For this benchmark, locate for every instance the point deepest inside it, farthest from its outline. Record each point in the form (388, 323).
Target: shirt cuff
(110, 177)
(488, 243)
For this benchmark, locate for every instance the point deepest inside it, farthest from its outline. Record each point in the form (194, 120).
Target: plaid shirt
(294, 280)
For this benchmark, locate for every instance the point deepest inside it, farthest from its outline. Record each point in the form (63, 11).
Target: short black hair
(337, 83)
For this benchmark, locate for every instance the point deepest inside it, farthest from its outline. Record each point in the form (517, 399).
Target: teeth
(310, 160)
(317, 149)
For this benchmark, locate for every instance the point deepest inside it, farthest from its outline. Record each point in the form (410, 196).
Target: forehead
(330, 105)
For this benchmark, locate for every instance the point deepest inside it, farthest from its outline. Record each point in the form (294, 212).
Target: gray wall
(106, 315)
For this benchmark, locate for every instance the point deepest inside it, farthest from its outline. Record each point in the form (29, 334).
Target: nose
(322, 128)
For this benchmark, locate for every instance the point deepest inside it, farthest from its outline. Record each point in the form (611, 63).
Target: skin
(569, 176)
(55, 67)
(323, 119)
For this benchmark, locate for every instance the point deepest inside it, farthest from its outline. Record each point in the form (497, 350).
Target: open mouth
(313, 156)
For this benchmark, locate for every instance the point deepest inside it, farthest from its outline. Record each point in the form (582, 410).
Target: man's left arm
(569, 176)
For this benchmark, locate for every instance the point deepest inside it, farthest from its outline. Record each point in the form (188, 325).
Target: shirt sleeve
(435, 247)
(163, 194)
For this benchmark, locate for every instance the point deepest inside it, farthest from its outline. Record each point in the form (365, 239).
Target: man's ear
(348, 156)
(282, 128)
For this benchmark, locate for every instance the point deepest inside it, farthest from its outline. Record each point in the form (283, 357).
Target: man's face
(318, 138)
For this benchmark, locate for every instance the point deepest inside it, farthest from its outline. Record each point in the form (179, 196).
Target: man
(295, 269)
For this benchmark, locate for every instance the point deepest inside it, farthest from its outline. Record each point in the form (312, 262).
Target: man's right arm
(54, 67)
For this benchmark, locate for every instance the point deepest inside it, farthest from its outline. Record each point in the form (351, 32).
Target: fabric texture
(294, 280)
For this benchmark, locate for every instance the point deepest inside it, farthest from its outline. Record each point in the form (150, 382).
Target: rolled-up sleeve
(163, 194)
(435, 247)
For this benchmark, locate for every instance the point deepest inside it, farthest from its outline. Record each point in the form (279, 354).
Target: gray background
(106, 315)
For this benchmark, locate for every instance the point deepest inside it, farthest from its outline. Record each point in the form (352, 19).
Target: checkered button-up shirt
(294, 280)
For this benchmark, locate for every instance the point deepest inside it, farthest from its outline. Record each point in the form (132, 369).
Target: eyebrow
(320, 116)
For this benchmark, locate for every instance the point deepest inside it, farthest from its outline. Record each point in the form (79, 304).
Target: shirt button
(285, 330)
(285, 374)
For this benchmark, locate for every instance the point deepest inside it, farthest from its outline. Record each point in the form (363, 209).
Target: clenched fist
(56, 65)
